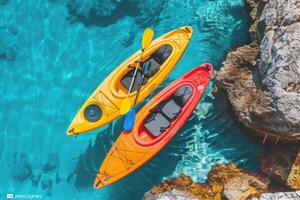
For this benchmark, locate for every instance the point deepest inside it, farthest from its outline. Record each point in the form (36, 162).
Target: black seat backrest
(156, 60)
(126, 80)
(157, 123)
(162, 53)
(182, 95)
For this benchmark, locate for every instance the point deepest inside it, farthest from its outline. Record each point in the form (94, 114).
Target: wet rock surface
(262, 79)
(225, 181)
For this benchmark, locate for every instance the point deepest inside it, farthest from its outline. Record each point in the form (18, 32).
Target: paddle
(130, 117)
(146, 41)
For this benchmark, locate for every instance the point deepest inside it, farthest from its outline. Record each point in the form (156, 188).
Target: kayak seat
(157, 59)
(162, 54)
(170, 109)
(155, 66)
(182, 95)
(126, 80)
(156, 124)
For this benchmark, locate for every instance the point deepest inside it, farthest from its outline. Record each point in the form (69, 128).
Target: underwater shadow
(92, 18)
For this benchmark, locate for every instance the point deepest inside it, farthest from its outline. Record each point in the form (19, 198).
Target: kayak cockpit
(161, 118)
(156, 60)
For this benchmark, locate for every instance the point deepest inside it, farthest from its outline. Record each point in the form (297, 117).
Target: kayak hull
(133, 149)
(110, 94)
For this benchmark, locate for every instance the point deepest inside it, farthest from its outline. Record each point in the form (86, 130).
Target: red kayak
(156, 124)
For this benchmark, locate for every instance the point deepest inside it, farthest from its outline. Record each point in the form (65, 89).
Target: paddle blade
(147, 37)
(125, 106)
(129, 120)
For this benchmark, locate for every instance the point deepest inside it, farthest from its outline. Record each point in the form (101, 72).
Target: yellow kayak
(103, 106)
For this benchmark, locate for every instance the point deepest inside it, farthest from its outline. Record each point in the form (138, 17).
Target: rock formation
(279, 195)
(263, 79)
(224, 181)
(172, 194)
(283, 165)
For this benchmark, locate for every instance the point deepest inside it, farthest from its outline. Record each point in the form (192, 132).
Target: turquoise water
(54, 53)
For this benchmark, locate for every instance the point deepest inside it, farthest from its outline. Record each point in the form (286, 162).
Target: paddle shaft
(135, 73)
(138, 91)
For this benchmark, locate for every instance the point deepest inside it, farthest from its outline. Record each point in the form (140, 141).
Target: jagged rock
(279, 196)
(264, 87)
(256, 8)
(169, 195)
(21, 167)
(250, 103)
(52, 163)
(234, 183)
(283, 164)
(224, 180)
(279, 66)
(184, 184)
(35, 178)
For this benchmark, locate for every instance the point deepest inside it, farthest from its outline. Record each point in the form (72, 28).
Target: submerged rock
(52, 163)
(106, 12)
(21, 167)
(3, 2)
(283, 165)
(35, 178)
(263, 80)
(47, 185)
(224, 181)
(100, 12)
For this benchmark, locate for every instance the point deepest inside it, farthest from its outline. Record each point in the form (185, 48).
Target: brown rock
(185, 184)
(283, 164)
(234, 183)
(224, 181)
(249, 100)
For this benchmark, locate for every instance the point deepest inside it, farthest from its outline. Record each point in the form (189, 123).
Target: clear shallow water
(53, 55)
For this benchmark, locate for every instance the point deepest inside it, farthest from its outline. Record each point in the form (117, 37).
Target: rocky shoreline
(262, 80)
